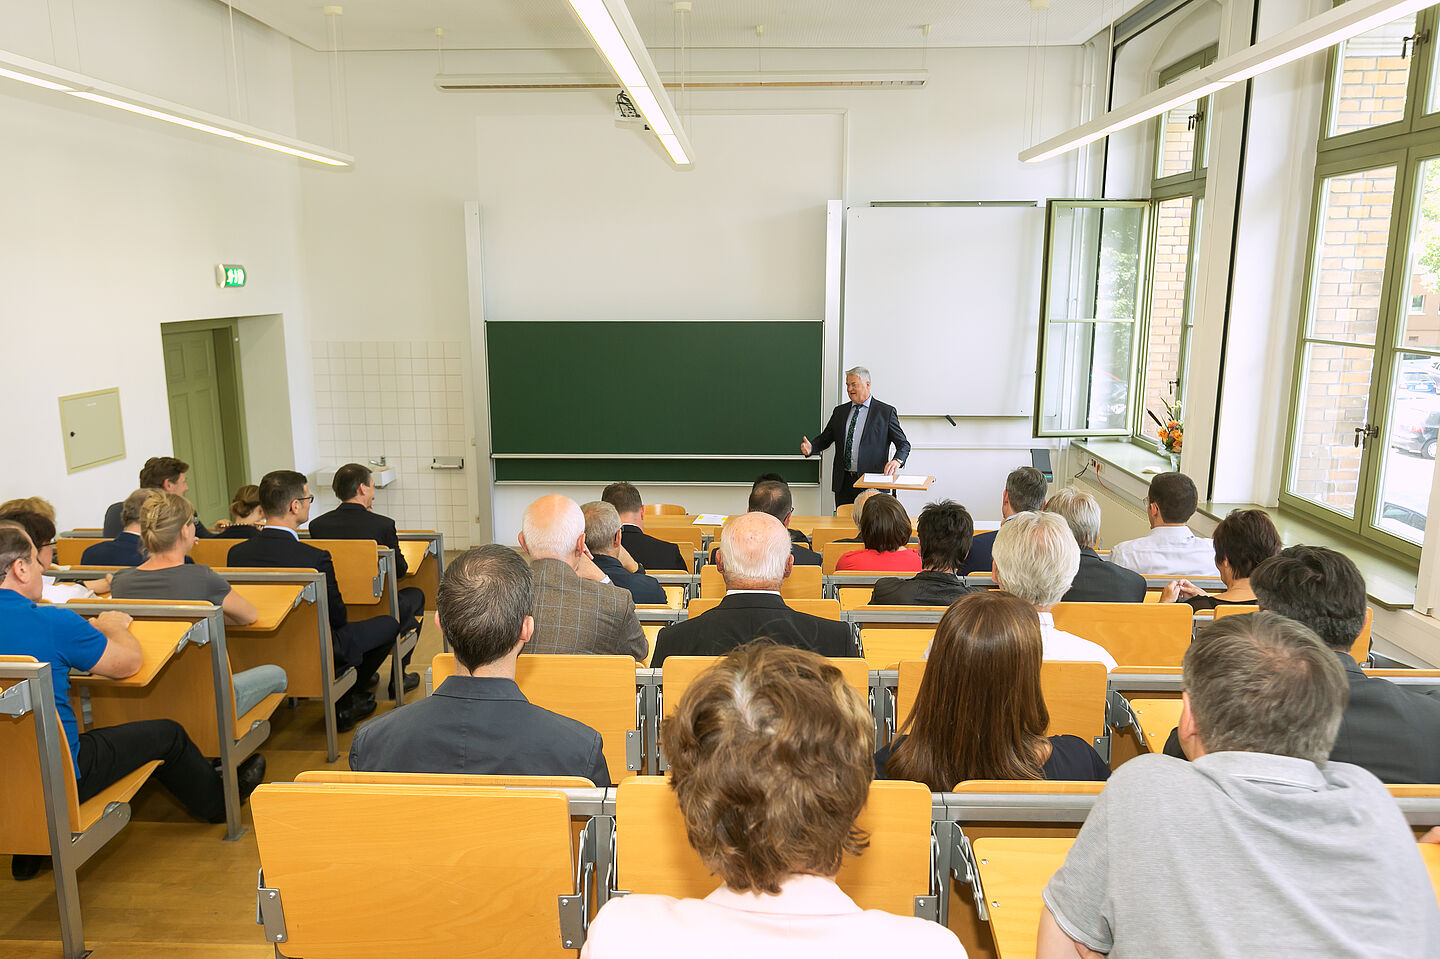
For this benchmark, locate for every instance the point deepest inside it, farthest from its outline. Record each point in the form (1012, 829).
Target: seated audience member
(602, 538)
(1392, 731)
(754, 560)
(285, 496)
(40, 527)
(774, 498)
(1096, 581)
(1170, 547)
(856, 509)
(355, 518)
(945, 531)
(1239, 852)
(980, 713)
(770, 762)
(103, 646)
(159, 472)
(124, 549)
(167, 530)
(573, 614)
(795, 535)
(649, 552)
(1035, 557)
(1024, 492)
(478, 721)
(1243, 540)
(246, 516)
(885, 531)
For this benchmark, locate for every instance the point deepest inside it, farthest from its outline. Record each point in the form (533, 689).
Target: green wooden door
(192, 382)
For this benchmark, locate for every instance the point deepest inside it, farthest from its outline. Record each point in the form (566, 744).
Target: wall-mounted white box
(91, 429)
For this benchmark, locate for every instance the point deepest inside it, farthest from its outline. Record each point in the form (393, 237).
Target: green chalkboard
(745, 390)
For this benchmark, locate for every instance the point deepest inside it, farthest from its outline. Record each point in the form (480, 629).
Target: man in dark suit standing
(478, 721)
(1096, 581)
(649, 552)
(355, 518)
(602, 539)
(863, 430)
(285, 497)
(754, 560)
(1392, 731)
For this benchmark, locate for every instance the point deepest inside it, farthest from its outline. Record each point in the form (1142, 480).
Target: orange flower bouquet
(1171, 430)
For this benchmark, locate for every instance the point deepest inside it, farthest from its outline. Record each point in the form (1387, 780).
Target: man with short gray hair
(1024, 491)
(1096, 581)
(1035, 558)
(572, 614)
(754, 560)
(1258, 846)
(478, 721)
(602, 539)
(863, 430)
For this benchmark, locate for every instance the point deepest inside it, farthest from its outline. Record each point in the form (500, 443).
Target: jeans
(253, 685)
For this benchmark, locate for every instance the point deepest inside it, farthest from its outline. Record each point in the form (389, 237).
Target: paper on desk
(710, 519)
(901, 480)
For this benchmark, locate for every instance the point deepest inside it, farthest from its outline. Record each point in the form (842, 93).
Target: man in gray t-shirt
(1259, 847)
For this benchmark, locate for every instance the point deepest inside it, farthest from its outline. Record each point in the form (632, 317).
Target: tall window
(1361, 453)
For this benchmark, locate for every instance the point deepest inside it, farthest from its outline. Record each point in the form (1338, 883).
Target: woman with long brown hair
(979, 713)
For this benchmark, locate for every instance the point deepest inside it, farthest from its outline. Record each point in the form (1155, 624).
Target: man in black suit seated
(945, 530)
(602, 539)
(285, 497)
(124, 549)
(1024, 492)
(1096, 581)
(159, 472)
(863, 430)
(795, 535)
(1392, 731)
(773, 497)
(478, 721)
(355, 518)
(754, 560)
(649, 552)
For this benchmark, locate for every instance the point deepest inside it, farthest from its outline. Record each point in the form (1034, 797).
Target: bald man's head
(754, 552)
(554, 528)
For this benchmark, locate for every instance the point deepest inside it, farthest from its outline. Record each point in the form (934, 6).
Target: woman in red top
(884, 529)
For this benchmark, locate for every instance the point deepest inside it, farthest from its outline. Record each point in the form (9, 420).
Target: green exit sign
(229, 275)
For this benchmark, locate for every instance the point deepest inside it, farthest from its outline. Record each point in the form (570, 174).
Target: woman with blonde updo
(246, 516)
(167, 534)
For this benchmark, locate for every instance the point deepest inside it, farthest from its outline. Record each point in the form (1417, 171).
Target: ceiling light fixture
(615, 36)
(83, 87)
(1319, 33)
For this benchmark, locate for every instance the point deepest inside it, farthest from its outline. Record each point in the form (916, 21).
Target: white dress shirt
(1167, 551)
(1060, 645)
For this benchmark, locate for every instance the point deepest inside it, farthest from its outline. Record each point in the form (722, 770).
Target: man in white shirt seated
(1035, 558)
(1170, 548)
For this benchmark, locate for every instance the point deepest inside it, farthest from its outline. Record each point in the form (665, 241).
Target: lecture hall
(601, 478)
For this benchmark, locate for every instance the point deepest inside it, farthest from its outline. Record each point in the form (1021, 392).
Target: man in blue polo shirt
(103, 646)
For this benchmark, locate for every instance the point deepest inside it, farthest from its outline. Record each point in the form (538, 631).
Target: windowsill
(1137, 461)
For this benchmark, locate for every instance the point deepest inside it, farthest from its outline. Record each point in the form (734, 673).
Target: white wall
(113, 225)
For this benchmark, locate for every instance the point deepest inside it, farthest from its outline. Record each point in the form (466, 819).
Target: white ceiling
(549, 24)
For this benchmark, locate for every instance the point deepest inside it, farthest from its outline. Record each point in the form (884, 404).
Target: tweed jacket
(574, 615)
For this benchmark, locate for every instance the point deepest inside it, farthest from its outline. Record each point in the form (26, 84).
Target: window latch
(1363, 434)
(1408, 44)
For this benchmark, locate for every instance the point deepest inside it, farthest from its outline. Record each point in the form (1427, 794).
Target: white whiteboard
(942, 305)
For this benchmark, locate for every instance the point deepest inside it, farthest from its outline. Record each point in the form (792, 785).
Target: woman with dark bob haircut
(979, 713)
(770, 762)
(885, 531)
(1243, 540)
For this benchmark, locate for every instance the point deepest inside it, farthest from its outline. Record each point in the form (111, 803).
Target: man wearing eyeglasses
(285, 499)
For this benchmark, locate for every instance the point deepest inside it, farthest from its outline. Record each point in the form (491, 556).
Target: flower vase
(1174, 458)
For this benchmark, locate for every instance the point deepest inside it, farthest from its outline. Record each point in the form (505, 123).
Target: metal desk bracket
(962, 859)
(270, 911)
(15, 701)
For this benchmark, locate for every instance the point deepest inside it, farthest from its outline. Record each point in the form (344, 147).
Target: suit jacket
(742, 617)
(648, 551)
(978, 559)
(112, 526)
(574, 615)
(353, 521)
(643, 589)
(479, 725)
(926, 588)
(123, 550)
(872, 448)
(1387, 729)
(1097, 581)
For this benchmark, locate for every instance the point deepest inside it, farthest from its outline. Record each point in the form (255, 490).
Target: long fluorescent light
(614, 35)
(1314, 35)
(38, 73)
(710, 79)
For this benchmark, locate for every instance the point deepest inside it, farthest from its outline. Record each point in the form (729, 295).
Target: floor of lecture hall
(167, 886)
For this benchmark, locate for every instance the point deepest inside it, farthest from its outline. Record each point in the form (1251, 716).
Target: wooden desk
(1013, 872)
(159, 641)
(273, 601)
(414, 551)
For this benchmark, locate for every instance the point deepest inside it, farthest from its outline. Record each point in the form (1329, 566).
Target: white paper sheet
(902, 480)
(710, 519)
